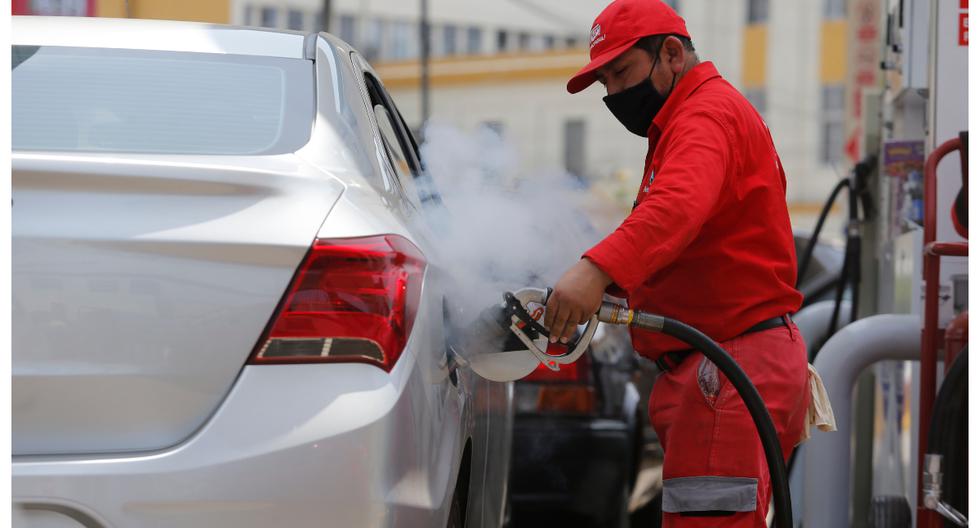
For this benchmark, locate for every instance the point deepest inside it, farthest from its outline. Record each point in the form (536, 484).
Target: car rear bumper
(570, 465)
(292, 445)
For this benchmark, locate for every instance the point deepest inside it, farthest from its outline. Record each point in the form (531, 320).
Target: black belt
(674, 358)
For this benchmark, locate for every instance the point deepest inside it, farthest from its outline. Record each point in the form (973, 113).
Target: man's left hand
(575, 297)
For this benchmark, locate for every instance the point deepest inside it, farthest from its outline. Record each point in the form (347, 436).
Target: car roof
(162, 35)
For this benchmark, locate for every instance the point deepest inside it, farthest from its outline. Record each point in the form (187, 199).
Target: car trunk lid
(140, 286)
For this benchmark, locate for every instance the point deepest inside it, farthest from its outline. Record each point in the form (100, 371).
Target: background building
(194, 10)
(504, 64)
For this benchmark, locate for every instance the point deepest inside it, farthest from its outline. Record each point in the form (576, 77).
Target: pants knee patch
(698, 495)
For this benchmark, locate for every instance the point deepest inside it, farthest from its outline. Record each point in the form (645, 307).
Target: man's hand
(576, 296)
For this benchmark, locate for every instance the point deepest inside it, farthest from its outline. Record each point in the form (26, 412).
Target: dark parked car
(824, 269)
(578, 434)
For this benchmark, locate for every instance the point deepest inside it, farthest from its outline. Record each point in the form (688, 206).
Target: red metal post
(956, 337)
(930, 319)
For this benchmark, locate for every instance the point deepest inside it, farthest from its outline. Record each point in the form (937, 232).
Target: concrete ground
(645, 502)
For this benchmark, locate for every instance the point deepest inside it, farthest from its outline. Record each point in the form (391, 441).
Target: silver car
(223, 311)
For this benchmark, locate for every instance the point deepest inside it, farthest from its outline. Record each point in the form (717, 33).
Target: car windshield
(159, 102)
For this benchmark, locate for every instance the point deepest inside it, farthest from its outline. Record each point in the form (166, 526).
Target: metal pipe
(813, 320)
(326, 12)
(426, 41)
(842, 359)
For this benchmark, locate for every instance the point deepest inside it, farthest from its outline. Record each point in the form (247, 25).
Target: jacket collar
(691, 81)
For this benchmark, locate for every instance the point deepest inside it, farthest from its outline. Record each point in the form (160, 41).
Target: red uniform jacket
(709, 241)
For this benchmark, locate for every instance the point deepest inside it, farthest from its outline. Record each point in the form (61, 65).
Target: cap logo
(596, 37)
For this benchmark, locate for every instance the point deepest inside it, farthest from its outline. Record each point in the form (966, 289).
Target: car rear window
(115, 100)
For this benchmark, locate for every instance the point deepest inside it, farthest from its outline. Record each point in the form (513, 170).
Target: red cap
(618, 27)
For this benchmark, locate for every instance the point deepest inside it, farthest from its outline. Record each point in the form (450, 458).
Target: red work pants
(715, 471)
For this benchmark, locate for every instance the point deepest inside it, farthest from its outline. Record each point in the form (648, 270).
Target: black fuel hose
(812, 243)
(783, 507)
(850, 270)
(857, 188)
(859, 196)
(947, 434)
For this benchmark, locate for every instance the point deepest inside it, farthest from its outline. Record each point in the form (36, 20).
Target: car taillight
(351, 300)
(566, 399)
(566, 391)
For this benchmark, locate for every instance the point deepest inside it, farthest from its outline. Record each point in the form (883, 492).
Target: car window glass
(398, 157)
(142, 101)
(428, 191)
(397, 146)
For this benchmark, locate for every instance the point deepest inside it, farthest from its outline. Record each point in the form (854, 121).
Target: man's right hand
(575, 298)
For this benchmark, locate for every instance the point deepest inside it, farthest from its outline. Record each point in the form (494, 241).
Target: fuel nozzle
(508, 341)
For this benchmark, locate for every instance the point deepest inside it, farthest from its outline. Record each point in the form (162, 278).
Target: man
(708, 243)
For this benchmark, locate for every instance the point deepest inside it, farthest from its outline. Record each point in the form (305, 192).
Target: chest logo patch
(649, 182)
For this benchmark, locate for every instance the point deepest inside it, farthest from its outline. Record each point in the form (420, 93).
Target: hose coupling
(932, 481)
(932, 490)
(615, 314)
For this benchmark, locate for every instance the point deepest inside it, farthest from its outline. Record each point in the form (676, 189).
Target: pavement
(644, 504)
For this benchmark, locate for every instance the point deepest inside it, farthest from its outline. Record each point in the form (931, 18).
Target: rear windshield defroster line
(158, 102)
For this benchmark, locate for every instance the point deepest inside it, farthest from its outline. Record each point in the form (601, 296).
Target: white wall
(716, 29)
(533, 114)
(794, 107)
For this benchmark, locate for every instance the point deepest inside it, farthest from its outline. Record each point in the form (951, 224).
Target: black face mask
(636, 106)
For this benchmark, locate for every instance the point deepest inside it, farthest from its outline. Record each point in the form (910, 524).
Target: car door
(447, 402)
(489, 403)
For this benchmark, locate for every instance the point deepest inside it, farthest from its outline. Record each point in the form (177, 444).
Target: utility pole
(325, 15)
(424, 31)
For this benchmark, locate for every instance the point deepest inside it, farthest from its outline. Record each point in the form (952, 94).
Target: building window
(757, 96)
(574, 147)
(249, 13)
(523, 41)
(834, 8)
(404, 41)
(549, 42)
(832, 123)
(474, 40)
(449, 40)
(502, 40)
(673, 4)
(374, 39)
(53, 8)
(496, 126)
(294, 19)
(758, 11)
(347, 28)
(268, 17)
(570, 42)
